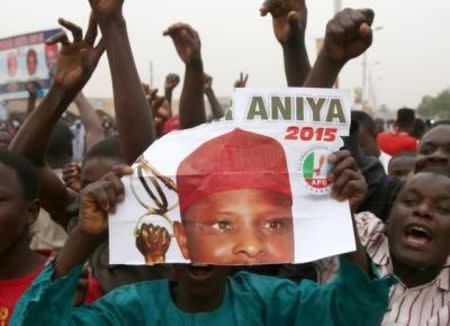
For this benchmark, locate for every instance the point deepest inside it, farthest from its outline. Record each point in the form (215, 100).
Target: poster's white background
(322, 226)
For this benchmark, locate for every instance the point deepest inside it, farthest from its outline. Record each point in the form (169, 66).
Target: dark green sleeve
(49, 302)
(352, 299)
(357, 299)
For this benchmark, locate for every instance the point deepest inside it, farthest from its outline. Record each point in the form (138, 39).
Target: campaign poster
(24, 59)
(249, 189)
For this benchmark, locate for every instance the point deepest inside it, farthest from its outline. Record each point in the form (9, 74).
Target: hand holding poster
(250, 189)
(26, 58)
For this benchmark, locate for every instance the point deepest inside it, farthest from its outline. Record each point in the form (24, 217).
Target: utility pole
(364, 74)
(151, 73)
(337, 6)
(365, 67)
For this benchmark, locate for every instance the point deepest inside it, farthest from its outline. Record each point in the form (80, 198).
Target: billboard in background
(26, 58)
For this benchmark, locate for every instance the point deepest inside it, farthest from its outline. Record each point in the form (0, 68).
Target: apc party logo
(314, 168)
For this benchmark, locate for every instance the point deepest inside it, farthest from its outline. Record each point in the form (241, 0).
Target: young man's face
(240, 227)
(94, 169)
(419, 228)
(16, 213)
(402, 167)
(434, 150)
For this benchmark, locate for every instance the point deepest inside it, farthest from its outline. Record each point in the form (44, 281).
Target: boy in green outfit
(200, 294)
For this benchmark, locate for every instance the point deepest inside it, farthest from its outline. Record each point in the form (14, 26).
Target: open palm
(78, 59)
(186, 41)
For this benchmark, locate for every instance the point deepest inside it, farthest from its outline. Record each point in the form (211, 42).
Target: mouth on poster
(27, 59)
(251, 188)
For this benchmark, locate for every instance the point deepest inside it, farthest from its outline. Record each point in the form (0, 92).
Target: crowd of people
(60, 178)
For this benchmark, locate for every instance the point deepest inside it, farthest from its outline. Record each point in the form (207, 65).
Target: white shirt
(425, 305)
(384, 159)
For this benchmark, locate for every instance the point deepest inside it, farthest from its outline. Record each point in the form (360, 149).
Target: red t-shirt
(393, 142)
(11, 291)
(171, 125)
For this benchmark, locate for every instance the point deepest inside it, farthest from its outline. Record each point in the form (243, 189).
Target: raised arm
(216, 107)
(356, 297)
(131, 105)
(188, 45)
(76, 63)
(348, 35)
(289, 18)
(90, 121)
(49, 300)
(160, 107)
(172, 81)
(349, 184)
(32, 97)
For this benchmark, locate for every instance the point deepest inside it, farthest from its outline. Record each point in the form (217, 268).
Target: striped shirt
(425, 305)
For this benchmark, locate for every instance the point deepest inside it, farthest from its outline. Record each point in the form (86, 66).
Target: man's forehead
(424, 180)
(439, 135)
(8, 177)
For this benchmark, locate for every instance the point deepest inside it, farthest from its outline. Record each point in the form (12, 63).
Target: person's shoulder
(367, 218)
(386, 137)
(383, 134)
(369, 227)
(411, 139)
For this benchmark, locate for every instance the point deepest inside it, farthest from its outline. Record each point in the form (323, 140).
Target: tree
(435, 107)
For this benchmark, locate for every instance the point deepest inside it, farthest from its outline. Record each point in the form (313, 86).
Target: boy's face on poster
(238, 227)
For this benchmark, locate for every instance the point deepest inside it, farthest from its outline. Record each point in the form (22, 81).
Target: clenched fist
(172, 81)
(349, 34)
(153, 243)
(207, 82)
